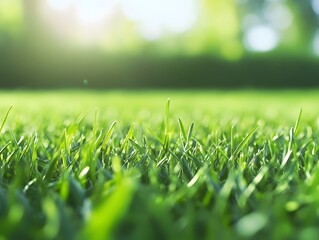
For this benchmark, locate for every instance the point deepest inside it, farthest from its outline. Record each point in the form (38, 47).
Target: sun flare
(90, 21)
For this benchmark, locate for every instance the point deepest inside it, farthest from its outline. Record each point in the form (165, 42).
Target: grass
(122, 165)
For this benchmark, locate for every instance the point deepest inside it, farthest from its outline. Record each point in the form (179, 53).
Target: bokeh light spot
(315, 6)
(261, 38)
(154, 17)
(278, 15)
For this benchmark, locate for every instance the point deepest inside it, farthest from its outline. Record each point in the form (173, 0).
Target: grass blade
(182, 129)
(128, 136)
(189, 133)
(252, 186)
(167, 116)
(108, 135)
(155, 135)
(297, 122)
(242, 144)
(286, 158)
(5, 119)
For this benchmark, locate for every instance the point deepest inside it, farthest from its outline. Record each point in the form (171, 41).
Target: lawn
(159, 165)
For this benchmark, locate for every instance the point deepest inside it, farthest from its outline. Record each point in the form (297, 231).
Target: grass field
(134, 165)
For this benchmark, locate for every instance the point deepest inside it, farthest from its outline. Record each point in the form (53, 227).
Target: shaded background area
(159, 44)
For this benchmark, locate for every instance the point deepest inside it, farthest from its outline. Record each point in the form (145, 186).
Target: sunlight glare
(152, 18)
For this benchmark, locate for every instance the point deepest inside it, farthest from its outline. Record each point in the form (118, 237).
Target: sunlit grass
(133, 165)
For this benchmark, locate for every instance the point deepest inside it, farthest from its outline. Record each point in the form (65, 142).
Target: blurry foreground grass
(129, 165)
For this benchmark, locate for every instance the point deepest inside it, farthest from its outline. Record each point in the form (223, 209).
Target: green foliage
(193, 170)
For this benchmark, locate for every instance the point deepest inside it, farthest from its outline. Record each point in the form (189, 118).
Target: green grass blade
(286, 158)
(128, 136)
(114, 206)
(243, 143)
(4, 147)
(252, 186)
(182, 129)
(155, 135)
(167, 116)
(5, 119)
(297, 122)
(189, 133)
(232, 140)
(108, 135)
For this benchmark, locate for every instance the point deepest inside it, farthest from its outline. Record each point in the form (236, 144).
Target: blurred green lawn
(279, 106)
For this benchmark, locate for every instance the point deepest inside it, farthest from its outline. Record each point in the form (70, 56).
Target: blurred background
(105, 44)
